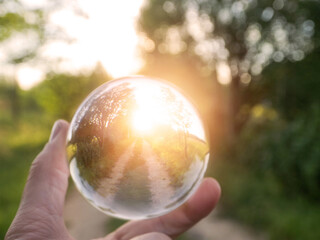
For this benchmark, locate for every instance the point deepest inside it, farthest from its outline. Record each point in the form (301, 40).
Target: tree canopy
(231, 38)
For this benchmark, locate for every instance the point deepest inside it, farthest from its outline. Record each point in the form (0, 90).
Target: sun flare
(101, 32)
(151, 111)
(142, 121)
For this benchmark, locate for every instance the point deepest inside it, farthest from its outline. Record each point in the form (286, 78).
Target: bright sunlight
(142, 121)
(150, 111)
(100, 31)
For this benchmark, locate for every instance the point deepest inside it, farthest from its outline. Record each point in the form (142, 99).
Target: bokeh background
(252, 68)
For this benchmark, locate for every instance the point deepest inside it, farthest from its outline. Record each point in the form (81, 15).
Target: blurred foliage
(282, 131)
(18, 21)
(259, 200)
(269, 166)
(60, 95)
(11, 22)
(270, 171)
(290, 150)
(245, 35)
(26, 118)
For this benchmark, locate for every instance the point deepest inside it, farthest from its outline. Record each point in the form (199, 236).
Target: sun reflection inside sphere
(151, 111)
(142, 121)
(137, 148)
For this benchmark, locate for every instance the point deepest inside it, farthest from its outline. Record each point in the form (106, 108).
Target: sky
(100, 31)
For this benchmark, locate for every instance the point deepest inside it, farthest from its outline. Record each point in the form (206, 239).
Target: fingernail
(55, 130)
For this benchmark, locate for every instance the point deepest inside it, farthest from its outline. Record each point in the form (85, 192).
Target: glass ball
(137, 148)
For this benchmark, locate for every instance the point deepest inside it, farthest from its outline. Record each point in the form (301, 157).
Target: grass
(260, 201)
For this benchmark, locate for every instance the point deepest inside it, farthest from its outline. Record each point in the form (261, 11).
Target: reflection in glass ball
(137, 148)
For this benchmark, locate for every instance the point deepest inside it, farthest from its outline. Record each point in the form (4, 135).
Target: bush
(289, 150)
(271, 178)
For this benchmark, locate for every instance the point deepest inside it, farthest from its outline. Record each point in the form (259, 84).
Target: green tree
(60, 94)
(17, 19)
(245, 35)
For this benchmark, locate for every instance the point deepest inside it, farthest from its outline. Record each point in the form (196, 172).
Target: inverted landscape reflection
(137, 148)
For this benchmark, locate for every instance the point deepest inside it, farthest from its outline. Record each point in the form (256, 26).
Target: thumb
(48, 179)
(152, 236)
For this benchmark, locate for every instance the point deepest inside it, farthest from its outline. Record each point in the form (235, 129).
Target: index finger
(177, 221)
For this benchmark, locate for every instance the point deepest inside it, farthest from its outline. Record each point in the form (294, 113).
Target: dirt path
(159, 178)
(83, 221)
(110, 185)
(214, 227)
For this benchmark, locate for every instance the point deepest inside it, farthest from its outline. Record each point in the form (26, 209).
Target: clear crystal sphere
(137, 148)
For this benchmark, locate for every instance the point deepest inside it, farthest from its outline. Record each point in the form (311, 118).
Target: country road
(109, 186)
(159, 179)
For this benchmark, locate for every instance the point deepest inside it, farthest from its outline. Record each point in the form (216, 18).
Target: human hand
(40, 214)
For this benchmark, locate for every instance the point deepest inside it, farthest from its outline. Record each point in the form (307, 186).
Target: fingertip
(204, 200)
(63, 123)
(211, 184)
(60, 128)
(53, 155)
(56, 147)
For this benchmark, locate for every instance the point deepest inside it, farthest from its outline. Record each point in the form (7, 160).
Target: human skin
(40, 214)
